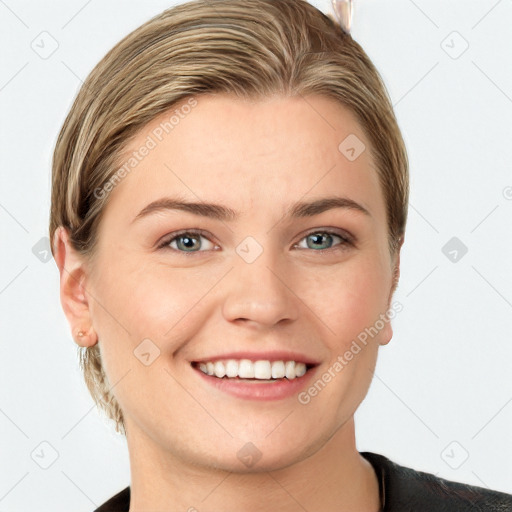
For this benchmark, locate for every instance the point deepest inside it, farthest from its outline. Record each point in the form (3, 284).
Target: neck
(335, 478)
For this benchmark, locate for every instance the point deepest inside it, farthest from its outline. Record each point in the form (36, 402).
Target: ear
(396, 269)
(73, 298)
(387, 333)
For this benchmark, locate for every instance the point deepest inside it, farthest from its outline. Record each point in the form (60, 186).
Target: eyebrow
(300, 209)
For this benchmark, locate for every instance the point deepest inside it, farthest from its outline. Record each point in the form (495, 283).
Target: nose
(260, 294)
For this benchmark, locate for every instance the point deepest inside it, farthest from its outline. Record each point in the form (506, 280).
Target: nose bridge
(257, 290)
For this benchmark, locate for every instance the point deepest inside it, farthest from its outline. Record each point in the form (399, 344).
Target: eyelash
(343, 245)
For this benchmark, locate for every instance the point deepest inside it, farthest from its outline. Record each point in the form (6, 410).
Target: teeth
(300, 369)
(219, 370)
(247, 369)
(290, 370)
(278, 369)
(231, 368)
(262, 370)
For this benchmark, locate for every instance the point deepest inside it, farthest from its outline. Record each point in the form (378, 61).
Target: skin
(183, 435)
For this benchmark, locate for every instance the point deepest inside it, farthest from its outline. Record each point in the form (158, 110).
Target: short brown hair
(247, 48)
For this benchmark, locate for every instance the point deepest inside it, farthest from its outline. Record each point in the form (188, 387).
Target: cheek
(142, 300)
(349, 298)
(137, 303)
(353, 300)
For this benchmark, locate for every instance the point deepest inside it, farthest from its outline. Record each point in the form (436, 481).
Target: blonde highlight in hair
(250, 49)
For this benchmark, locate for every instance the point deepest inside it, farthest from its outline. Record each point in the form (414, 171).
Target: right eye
(185, 241)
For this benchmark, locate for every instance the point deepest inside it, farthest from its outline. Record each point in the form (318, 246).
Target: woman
(229, 201)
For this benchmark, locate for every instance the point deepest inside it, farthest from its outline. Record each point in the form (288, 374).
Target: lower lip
(254, 390)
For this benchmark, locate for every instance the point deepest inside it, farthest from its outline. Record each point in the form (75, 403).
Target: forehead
(246, 153)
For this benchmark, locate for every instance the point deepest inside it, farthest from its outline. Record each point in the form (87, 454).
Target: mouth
(271, 376)
(259, 370)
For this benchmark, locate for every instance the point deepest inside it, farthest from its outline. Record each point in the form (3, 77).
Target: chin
(247, 457)
(252, 461)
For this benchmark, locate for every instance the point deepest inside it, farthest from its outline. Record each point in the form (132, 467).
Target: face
(255, 278)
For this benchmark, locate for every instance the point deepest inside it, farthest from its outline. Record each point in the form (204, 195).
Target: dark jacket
(402, 489)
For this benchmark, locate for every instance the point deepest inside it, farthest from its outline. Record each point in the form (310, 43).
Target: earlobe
(387, 334)
(388, 329)
(73, 274)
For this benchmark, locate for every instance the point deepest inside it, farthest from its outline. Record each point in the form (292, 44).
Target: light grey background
(441, 397)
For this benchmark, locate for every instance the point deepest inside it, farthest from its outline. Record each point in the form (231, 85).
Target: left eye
(320, 238)
(190, 241)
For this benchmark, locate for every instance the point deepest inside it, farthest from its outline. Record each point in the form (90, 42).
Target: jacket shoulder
(406, 489)
(118, 503)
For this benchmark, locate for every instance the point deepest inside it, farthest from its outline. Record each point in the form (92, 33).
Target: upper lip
(274, 355)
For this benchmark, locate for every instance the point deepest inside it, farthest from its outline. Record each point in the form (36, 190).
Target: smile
(259, 379)
(247, 369)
